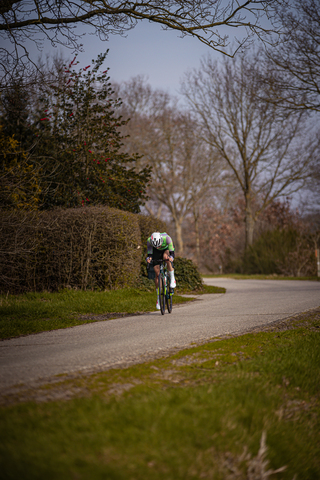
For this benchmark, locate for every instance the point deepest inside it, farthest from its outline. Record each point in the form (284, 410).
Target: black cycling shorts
(157, 255)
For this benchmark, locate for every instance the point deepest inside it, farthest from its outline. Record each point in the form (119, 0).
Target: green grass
(212, 289)
(206, 289)
(240, 276)
(38, 312)
(198, 414)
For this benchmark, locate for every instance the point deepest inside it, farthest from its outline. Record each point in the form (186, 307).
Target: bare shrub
(18, 232)
(85, 248)
(256, 467)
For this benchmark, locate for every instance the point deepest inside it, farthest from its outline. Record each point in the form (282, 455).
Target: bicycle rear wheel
(162, 295)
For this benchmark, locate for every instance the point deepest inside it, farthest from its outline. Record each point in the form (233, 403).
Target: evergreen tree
(79, 133)
(19, 171)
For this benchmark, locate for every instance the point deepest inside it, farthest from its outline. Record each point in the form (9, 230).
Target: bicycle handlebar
(158, 262)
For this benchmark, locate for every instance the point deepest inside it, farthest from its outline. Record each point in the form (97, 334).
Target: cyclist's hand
(171, 259)
(149, 259)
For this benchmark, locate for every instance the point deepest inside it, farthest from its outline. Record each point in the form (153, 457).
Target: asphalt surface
(95, 346)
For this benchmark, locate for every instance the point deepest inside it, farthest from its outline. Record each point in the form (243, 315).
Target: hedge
(84, 248)
(19, 240)
(98, 248)
(284, 251)
(187, 275)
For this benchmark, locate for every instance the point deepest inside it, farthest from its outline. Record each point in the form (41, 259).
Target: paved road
(247, 304)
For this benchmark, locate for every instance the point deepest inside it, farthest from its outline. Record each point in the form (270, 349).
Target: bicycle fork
(168, 292)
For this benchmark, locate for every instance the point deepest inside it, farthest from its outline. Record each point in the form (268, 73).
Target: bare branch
(207, 21)
(267, 148)
(184, 168)
(294, 67)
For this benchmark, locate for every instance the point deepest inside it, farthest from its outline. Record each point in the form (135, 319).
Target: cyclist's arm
(149, 249)
(170, 246)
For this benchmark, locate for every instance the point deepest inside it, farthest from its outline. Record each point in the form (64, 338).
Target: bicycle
(165, 291)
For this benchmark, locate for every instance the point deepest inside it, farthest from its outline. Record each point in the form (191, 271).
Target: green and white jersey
(167, 244)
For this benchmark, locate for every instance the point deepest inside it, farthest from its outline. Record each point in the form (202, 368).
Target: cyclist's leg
(156, 281)
(162, 295)
(156, 271)
(157, 256)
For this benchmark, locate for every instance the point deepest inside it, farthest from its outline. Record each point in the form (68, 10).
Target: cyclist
(160, 247)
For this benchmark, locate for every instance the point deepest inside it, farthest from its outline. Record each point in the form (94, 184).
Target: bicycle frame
(165, 292)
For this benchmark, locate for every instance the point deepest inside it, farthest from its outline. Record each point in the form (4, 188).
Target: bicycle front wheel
(162, 295)
(169, 299)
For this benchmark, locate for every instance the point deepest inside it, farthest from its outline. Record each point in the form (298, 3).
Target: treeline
(284, 244)
(227, 159)
(92, 248)
(219, 167)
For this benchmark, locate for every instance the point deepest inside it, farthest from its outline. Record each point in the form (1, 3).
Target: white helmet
(156, 239)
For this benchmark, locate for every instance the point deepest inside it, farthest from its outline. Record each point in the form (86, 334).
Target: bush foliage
(62, 145)
(99, 248)
(81, 248)
(187, 274)
(284, 251)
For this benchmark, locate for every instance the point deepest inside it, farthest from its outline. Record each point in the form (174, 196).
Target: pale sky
(162, 56)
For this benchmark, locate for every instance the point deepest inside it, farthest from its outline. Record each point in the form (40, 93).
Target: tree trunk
(249, 230)
(249, 222)
(179, 246)
(196, 229)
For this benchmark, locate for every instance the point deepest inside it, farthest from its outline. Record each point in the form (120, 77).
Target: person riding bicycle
(160, 247)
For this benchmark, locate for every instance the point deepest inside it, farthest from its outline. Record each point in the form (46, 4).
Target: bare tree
(294, 66)
(294, 70)
(184, 167)
(207, 21)
(267, 149)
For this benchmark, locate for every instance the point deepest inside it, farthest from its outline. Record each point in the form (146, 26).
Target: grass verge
(240, 276)
(205, 289)
(39, 312)
(245, 407)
